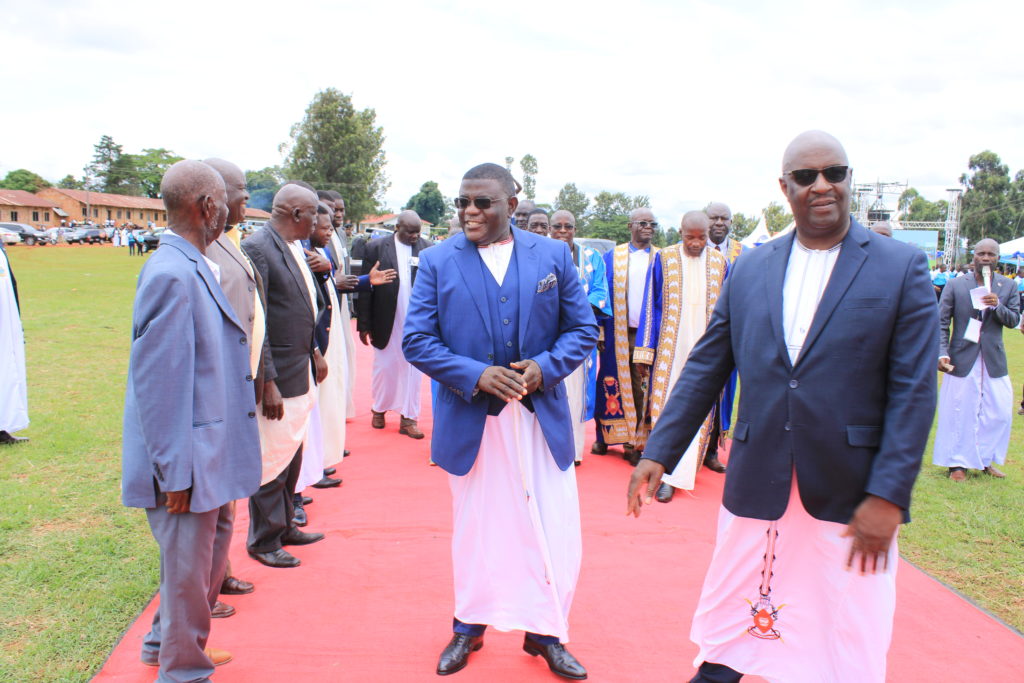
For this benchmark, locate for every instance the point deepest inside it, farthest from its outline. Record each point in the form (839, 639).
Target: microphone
(986, 273)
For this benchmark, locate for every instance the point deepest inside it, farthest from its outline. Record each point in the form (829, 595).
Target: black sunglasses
(806, 176)
(482, 203)
(644, 224)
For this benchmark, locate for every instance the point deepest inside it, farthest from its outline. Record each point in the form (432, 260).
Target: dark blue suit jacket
(448, 337)
(852, 416)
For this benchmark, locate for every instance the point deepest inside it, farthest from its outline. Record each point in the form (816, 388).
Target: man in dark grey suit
(191, 444)
(832, 330)
(976, 401)
(293, 304)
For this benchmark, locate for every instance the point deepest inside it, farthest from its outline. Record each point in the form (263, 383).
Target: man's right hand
(380, 277)
(944, 365)
(346, 283)
(505, 383)
(178, 501)
(273, 404)
(643, 484)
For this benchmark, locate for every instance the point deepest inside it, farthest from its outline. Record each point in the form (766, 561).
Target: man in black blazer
(380, 318)
(976, 401)
(832, 329)
(293, 304)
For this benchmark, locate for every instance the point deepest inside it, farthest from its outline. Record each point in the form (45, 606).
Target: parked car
(598, 244)
(29, 235)
(9, 236)
(151, 239)
(85, 236)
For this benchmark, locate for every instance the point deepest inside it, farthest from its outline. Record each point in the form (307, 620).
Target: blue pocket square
(547, 283)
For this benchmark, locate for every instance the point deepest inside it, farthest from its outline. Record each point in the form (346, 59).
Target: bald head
(987, 244)
(720, 216)
(882, 228)
(809, 142)
(693, 232)
(294, 212)
(196, 202)
(234, 184)
(522, 214)
(641, 227)
(408, 227)
(816, 181)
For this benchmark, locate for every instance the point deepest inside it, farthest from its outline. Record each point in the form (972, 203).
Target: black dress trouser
(271, 508)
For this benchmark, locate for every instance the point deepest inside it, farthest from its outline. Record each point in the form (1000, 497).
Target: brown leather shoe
(714, 464)
(410, 429)
(218, 657)
(993, 472)
(378, 420)
(599, 448)
(235, 586)
(958, 475)
(221, 611)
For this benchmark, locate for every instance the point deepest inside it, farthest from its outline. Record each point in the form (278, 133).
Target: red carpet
(373, 601)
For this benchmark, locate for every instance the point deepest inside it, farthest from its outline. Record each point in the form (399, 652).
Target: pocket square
(547, 283)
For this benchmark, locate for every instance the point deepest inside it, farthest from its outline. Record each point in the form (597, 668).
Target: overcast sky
(686, 102)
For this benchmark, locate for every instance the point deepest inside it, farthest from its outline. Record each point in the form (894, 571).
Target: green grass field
(76, 567)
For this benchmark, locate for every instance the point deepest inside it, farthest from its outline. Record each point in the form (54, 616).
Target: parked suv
(85, 236)
(29, 235)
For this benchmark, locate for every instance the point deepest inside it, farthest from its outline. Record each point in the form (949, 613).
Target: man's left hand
(873, 527)
(317, 262)
(643, 483)
(178, 501)
(532, 376)
(320, 365)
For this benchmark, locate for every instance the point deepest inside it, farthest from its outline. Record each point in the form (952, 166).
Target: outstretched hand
(873, 527)
(380, 277)
(643, 484)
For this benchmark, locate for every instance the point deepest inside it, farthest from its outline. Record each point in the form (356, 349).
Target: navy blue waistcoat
(503, 308)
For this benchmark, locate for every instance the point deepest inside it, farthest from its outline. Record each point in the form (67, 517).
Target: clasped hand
(512, 383)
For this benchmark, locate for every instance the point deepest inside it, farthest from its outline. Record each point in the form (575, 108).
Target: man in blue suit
(499, 320)
(190, 444)
(832, 329)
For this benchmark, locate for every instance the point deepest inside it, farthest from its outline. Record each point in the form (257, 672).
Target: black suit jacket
(375, 310)
(955, 306)
(852, 416)
(290, 320)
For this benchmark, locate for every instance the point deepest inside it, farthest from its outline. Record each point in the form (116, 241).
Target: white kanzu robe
(974, 419)
(341, 255)
(396, 383)
(778, 601)
(13, 385)
(516, 539)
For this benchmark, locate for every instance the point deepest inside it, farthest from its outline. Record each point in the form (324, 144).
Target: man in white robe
(682, 290)
(976, 399)
(13, 384)
(499, 320)
(801, 586)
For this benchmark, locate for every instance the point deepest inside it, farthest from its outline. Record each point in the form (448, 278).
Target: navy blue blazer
(447, 336)
(190, 408)
(852, 416)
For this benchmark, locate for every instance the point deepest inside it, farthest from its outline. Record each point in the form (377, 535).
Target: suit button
(504, 299)
(793, 384)
(505, 321)
(242, 340)
(251, 288)
(490, 356)
(787, 426)
(508, 344)
(252, 414)
(248, 378)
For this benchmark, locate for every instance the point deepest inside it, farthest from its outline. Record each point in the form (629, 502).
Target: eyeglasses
(563, 226)
(482, 203)
(806, 176)
(646, 224)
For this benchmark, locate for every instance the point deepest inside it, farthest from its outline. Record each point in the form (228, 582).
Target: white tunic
(812, 620)
(341, 255)
(13, 385)
(974, 419)
(516, 539)
(396, 383)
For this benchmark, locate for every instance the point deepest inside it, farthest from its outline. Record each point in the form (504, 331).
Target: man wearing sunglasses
(499, 320)
(802, 585)
(621, 388)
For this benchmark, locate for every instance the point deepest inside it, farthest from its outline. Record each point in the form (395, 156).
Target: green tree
(671, 237)
(529, 165)
(111, 170)
(989, 209)
(336, 147)
(573, 200)
(428, 203)
(508, 163)
(23, 179)
(150, 167)
(742, 225)
(262, 186)
(609, 217)
(776, 217)
(69, 182)
(914, 207)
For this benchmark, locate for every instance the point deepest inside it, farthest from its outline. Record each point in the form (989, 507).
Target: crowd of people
(242, 369)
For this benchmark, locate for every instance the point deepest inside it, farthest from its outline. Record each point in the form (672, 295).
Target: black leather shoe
(559, 660)
(296, 537)
(299, 517)
(455, 655)
(328, 471)
(599, 448)
(633, 456)
(306, 500)
(327, 483)
(279, 558)
(346, 454)
(232, 585)
(714, 464)
(10, 439)
(665, 493)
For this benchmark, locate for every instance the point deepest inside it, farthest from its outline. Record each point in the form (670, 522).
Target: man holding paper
(976, 399)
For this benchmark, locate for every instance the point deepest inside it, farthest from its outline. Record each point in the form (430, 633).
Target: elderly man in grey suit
(976, 400)
(191, 444)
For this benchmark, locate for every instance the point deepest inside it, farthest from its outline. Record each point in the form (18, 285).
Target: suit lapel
(293, 268)
(191, 253)
(848, 263)
(468, 261)
(528, 262)
(776, 275)
(237, 255)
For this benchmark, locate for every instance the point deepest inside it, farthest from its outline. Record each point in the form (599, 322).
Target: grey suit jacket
(955, 305)
(290, 319)
(189, 410)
